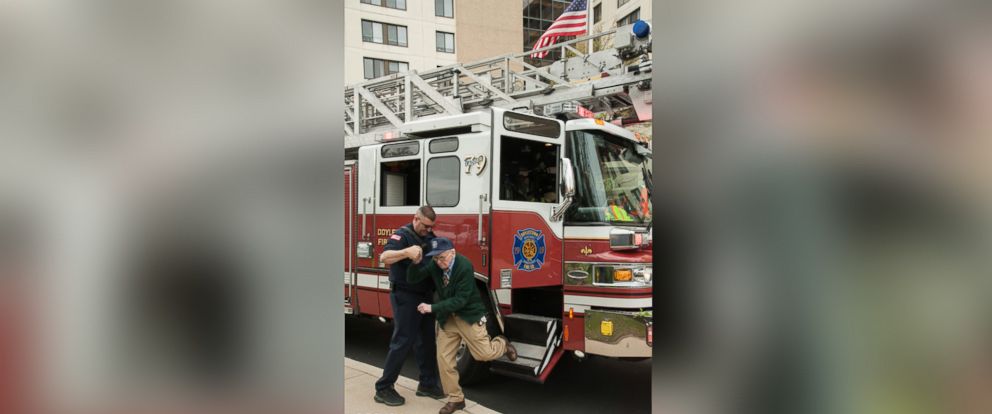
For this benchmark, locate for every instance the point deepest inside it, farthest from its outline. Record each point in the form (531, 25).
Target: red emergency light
(585, 113)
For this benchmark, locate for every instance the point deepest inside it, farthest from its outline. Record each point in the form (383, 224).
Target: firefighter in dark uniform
(411, 329)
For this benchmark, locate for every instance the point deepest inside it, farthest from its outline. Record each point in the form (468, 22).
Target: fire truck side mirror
(567, 178)
(567, 189)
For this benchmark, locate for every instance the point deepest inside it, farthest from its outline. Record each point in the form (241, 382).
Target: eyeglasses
(423, 222)
(443, 257)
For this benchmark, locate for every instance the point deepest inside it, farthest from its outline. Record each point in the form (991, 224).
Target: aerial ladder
(611, 80)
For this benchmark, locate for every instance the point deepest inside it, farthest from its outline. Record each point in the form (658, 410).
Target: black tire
(470, 371)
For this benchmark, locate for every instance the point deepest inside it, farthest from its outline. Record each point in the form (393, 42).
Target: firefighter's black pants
(411, 329)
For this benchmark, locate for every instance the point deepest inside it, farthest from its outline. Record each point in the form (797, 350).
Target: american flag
(573, 22)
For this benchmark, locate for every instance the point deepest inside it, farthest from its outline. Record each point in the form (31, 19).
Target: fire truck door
(457, 186)
(526, 244)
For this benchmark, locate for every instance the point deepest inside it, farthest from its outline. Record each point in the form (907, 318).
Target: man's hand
(424, 308)
(414, 253)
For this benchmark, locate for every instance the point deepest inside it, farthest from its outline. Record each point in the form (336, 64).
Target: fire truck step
(530, 329)
(535, 338)
(523, 365)
(513, 374)
(529, 351)
(531, 361)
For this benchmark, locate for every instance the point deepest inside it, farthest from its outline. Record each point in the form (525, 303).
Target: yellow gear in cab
(618, 213)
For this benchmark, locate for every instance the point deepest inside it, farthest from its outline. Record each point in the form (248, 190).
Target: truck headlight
(643, 274)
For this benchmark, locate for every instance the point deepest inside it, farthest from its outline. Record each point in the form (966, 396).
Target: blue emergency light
(641, 29)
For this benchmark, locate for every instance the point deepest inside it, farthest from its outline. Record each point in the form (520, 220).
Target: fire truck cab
(554, 215)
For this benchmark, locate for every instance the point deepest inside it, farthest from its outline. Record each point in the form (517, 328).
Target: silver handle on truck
(482, 202)
(364, 217)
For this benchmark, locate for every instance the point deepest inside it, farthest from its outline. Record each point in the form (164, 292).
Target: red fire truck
(554, 213)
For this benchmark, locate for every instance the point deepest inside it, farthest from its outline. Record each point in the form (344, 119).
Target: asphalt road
(596, 385)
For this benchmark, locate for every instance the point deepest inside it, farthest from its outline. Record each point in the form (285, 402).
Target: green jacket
(460, 297)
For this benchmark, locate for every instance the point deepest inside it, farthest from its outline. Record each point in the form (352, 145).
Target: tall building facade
(538, 15)
(384, 37)
(487, 28)
(608, 14)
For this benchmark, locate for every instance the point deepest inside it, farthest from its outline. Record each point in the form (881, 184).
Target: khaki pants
(449, 338)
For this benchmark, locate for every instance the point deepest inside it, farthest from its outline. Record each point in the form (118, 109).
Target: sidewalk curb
(471, 407)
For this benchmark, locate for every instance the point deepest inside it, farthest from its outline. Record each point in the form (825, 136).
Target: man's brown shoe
(511, 352)
(452, 407)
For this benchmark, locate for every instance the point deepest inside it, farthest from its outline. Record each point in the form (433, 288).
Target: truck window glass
(613, 179)
(528, 171)
(401, 150)
(527, 124)
(400, 183)
(443, 181)
(444, 145)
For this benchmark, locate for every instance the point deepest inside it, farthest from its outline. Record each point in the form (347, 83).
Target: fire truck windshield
(613, 179)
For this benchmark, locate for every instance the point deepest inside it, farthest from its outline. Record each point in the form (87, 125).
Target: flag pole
(589, 26)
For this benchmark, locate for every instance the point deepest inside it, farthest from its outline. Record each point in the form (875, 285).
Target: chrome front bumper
(617, 334)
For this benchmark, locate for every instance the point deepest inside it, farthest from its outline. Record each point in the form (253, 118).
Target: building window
(392, 4)
(444, 8)
(538, 17)
(620, 3)
(375, 68)
(630, 18)
(443, 181)
(445, 42)
(385, 33)
(597, 13)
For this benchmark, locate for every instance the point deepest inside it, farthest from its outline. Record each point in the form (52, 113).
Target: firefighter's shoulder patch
(395, 237)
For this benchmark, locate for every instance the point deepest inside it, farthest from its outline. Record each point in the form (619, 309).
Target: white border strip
(579, 309)
(625, 303)
(503, 296)
(370, 281)
(586, 232)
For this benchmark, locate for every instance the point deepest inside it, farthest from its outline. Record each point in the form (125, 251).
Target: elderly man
(460, 316)
(411, 329)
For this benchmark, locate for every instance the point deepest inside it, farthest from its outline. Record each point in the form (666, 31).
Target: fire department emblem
(528, 250)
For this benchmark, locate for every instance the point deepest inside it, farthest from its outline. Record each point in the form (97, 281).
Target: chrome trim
(365, 216)
(364, 250)
(589, 268)
(617, 232)
(568, 182)
(629, 338)
(482, 201)
(578, 274)
(617, 303)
